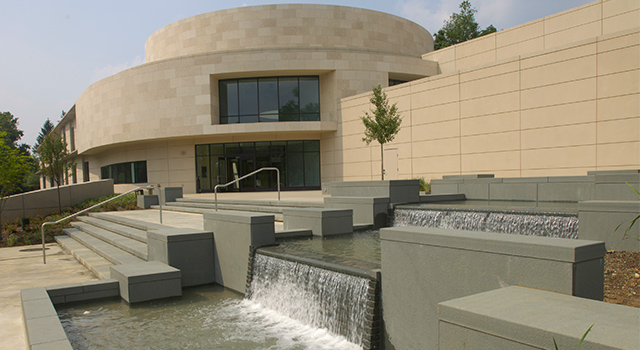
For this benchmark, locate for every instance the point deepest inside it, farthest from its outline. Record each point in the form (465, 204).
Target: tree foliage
(383, 124)
(53, 159)
(14, 165)
(47, 127)
(460, 27)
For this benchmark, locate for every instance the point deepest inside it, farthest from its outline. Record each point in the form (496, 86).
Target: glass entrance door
(230, 168)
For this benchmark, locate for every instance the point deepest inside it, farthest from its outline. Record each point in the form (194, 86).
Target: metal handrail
(215, 188)
(44, 255)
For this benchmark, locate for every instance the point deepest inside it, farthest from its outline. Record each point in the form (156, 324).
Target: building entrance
(298, 161)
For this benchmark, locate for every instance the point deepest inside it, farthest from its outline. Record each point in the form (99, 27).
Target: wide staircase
(202, 205)
(100, 240)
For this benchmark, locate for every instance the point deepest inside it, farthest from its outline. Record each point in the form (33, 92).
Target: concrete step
(113, 254)
(93, 261)
(252, 202)
(133, 223)
(126, 231)
(203, 208)
(129, 245)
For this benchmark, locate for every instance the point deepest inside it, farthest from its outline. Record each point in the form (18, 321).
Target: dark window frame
(125, 173)
(302, 114)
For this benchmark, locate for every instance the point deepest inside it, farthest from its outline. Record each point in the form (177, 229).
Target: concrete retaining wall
(422, 267)
(45, 202)
(598, 221)
(524, 318)
(235, 234)
(596, 185)
(398, 191)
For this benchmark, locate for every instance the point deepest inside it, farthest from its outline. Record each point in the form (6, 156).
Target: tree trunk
(382, 161)
(59, 202)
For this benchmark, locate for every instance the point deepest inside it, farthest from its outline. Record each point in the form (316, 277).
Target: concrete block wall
(422, 267)
(236, 235)
(524, 318)
(191, 251)
(44, 202)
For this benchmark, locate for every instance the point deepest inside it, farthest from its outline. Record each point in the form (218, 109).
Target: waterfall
(314, 296)
(524, 223)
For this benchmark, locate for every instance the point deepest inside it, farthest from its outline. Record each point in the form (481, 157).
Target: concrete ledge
(322, 222)
(300, 233)
(147, 281)
(523, 318)
(366, 210)
(83, 291)
(42, 326)
(425, 266)
(443, 197)
(189, 250)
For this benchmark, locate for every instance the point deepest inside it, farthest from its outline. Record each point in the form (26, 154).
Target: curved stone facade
(289, 26)
(171, 103)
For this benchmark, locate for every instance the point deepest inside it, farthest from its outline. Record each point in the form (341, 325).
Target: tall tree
(383, 124)
(9, 125)
(53, 160)
(460, 27)
(14, 165)
(47, 127)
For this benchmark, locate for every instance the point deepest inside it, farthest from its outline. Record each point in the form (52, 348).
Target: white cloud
(110, 70)
(495, 12)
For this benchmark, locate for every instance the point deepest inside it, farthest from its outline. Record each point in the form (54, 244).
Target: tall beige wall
(561, 111)
(598, 18)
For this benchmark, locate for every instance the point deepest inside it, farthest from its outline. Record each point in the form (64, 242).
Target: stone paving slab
(22, 270)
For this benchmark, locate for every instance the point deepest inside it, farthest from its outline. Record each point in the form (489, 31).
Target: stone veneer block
(398, 191)
(366, 210)
(90, 290)
(322, 222)
(170, 194)
(189, 250)
(145, 201)
(235, 235)
(523, 318)
(425, 266)
(147, 281)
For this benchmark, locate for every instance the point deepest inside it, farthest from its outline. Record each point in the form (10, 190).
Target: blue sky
(53, 50)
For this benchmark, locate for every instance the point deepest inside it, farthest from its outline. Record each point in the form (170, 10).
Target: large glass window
(269, 99)
(298, 162)
(125, 173)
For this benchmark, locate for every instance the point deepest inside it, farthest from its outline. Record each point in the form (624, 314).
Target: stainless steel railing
(215, 188)
(44, 254)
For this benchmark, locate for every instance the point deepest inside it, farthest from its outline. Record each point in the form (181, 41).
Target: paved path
(21, 269)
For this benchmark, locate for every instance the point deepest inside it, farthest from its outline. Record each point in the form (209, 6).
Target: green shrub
(425, 186)
(32, 233)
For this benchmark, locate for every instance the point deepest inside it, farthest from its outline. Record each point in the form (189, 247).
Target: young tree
(383, 124)
(52, 159)
(14, 165)
(460, 27)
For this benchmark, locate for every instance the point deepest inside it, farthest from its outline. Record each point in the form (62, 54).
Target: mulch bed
(622, 278)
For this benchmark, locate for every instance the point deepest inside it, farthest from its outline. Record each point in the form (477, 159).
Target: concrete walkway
(20, 269)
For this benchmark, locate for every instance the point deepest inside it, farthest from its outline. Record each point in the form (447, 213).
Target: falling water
(317, 297)
(524, 223)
